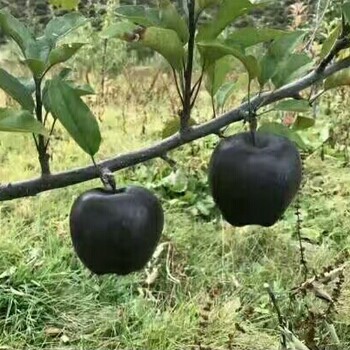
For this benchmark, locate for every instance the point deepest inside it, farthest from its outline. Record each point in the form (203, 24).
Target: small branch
(36, 142)
(178, 87)
(45, 117)
(212, 99)
(49, 182)
(50, 134)
(198, 82)
(103, 69)
(341, 44)
(43, 156)
(171, 162)
(186, 112)
(278, 311)
(196, 88)
(303, 261)
(316, 96)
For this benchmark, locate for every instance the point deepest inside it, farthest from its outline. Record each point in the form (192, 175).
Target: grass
(48, 300)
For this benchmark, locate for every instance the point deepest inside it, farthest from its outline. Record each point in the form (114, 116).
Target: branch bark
(59, 180)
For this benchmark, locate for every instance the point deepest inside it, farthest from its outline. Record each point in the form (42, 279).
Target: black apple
(253, 183)
(116, 231)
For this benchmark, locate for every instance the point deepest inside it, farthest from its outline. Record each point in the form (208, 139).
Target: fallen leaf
(65, 339)
(53, 331)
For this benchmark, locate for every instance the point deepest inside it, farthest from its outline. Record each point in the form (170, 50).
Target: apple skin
(254, 184)
(116, 232)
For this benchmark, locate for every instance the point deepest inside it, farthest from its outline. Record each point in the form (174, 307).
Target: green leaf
(289, 68)
(176, 182)
(224, 93)
(204, 4)
(214, 50)
(144, 16)
(228, 11)
(45, 96)
(330, 42)
(252, 66)
(341, 78)
(282, 130)
(286, 44)
(346, 11)
(37, 67)
(19, 92)
(37, 54)
(20, 121)
(251, 36)
(118, 30)
(167, 43)
(59, 27)
(293, 106)
(171, 19)
(302, 122)
(280, 64)
(13, 28)
(217, 72)
(29, 84)
(64, 73)
(268, 65)
(172, 126)
(65, 4)
(75, 115)
(63, 53)
(82, 90)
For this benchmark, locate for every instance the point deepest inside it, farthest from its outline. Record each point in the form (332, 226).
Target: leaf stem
(106, 176)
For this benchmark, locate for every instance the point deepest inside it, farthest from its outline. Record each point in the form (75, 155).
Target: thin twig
(45, 117)
(316, 96)
(213, 106)
(50, 134)
(341, 44)
(303, 261)
(278, 311)
(36, 142)
(186, 112)
(178, 87)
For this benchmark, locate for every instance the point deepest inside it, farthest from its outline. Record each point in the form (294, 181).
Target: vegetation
(209, 285)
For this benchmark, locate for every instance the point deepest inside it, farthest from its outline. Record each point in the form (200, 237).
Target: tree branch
(75, 176)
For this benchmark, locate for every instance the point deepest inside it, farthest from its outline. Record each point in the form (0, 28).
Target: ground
(48, 300)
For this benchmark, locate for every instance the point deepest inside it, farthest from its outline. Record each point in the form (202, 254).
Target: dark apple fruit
(116, 231)
(254, 180)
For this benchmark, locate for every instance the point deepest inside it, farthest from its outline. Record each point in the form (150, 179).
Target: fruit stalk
(106, 177)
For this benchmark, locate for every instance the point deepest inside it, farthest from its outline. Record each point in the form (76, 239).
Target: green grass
(49, 300)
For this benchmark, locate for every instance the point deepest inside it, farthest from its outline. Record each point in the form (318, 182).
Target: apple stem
(106, 176)
(253, 124)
